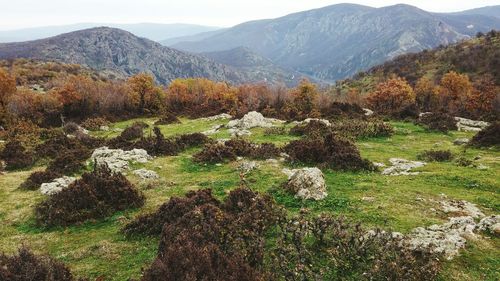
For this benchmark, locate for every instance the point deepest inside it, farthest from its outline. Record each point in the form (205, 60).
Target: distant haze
(35, 13)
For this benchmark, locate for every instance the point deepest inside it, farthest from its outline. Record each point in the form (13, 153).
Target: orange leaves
(453, 91)
(391, 96)
(7, 87)
(144, 92)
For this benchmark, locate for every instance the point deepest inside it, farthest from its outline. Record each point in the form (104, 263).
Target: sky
(16, 14)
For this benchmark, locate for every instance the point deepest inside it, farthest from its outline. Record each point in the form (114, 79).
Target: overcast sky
(29, 13)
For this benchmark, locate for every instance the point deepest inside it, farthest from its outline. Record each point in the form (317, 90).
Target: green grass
(97, 248)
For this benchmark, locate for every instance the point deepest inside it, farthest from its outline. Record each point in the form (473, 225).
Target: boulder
(468, 125)
(368, 112)
(118, 160)
(146, 174)
(56, 185)
(251, 120)
(402, 167)
(461, 208)
(248, 166)
(307, 183)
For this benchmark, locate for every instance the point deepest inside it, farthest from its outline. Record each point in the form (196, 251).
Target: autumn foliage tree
(7, 89)
(304, 101)
(481, 101)
(453, 92)
(425, 93)
(392, 96)
(145, 94)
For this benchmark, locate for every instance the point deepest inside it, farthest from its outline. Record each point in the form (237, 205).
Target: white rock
(104, 128)
(308, 120)
(215, 129)
(368, 112)
(118, 160)
(248, 166)
(235, 132)
(468, 125)
(146, 174)
(56, 185)
(217, 117)
(462, 207)
(402, 167)
(490, 224)
(378, 165)
(251, 120)
(461, 141)
(307, 183)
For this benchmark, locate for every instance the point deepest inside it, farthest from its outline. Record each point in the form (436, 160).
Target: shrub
(363, 128)
(338, 110)
(273, 131)
(70, 161)
(265, 151)
(133, 132)
(26, 266)
(489, 136)
(391, 97)
(94, 124)
(191, 140)
(215, 153)
(36, 179)
(436, 156)
(175, 208)
(96, 195)
(240, 147)
(313, 129)
(71, 128)
(16, 156)
(441, 122)
(56, 145)
(331, 151)
(328, 248)
(167, 118)
(25, 132)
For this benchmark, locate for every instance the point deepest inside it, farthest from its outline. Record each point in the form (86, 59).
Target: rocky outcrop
(248, 166)
(490, 224)
(222, 116)
(118, 160)
(308, 120)
(461, 208)
(253, 119)
(146, 174)
(468, 125)
(402, 167)
(56, 185)
(461, 141)
(214, 130)
(306, 183)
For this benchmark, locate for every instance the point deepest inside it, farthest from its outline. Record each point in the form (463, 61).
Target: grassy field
(97, 248)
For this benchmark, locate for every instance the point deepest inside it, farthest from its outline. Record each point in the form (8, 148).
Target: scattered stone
(368, 199)
(218, 117)
(468, 125)
(215, 129)
(447, 239)
(146, 174)
(461, 208)
(368, 112)
(308, 120)
(461, 141)
(378, 165)
(104, 128)
(118, 160)
(56, 185)
(482, 167)
(490, 224)
(235, 132)
(402, 167)
(248, 166)
(307, 183)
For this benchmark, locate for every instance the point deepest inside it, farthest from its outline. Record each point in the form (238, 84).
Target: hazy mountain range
(153, 31)
(324, 44)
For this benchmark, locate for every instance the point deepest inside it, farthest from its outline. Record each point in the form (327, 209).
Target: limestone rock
(308, 120)
(104, 128)
(248, 166)
(368, 112)
(146, 174)
(402, 167)
(217, 117)
(215, 129)
(118, 160)
(56, 185)
(468, 125)
(461, 141)
(447, 239)
(462, 208)
(307, 183)
(490, 224)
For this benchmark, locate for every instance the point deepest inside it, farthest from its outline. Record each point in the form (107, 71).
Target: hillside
(493, 11)
(478, 58)
(336, 42)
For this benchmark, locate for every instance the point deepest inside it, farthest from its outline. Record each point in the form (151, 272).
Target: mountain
(119, 53)
(492, 11)
(152, 31)
(122, 54)
(191, 38)
(337, 41)
(255, 65)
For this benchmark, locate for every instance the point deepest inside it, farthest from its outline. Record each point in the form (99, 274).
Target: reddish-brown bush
(26, 266)
(313, 129)
(436, 155)
(215, 153)
(57, 144)
(16, 156)
(37, 178)
(170, 212)
(357, 128)
(331, 151)
(229, 150)
(135, 131)
(339, 110)
(97, 195)
(489, 136)
(167, 118)
(95, 123)
(69, 161)
(191, 140)
(71, 128)
(441, 122)
(391, 97)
